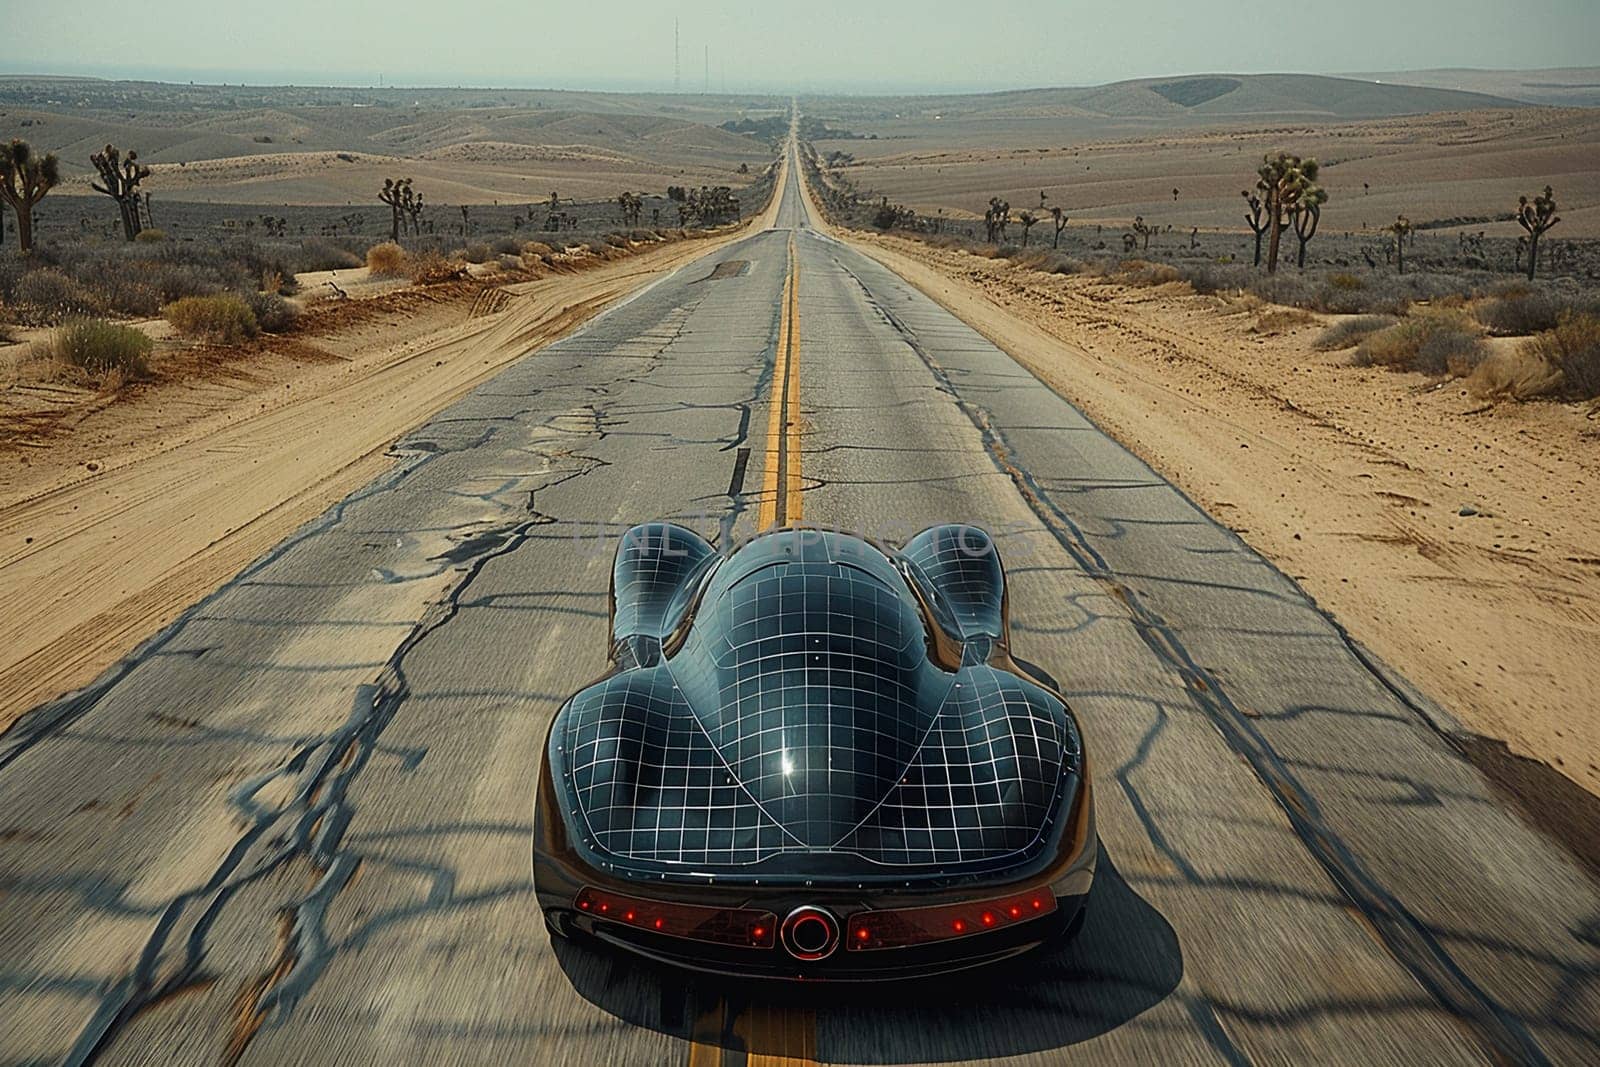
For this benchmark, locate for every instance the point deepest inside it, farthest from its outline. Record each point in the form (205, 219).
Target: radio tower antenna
(677, 67)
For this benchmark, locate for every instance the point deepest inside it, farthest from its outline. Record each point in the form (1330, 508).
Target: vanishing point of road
(294, 827)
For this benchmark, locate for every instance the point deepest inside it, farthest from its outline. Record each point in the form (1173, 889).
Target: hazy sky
(819, 45)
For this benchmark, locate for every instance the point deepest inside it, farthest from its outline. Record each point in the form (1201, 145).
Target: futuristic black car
(814, 758)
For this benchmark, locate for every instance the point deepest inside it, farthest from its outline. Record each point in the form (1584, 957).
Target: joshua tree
(119, 179)
(1144, 230)
(1536, 218)
(631, 204)
(1285, 181)
(1028, 220)
(1058, 218)
(1174, 195)
(1305, 216)
(412, 206)
(1256, 220)
(555, 200)
(997, 218)
(1401, 228)
(24, 180)
(397, 194)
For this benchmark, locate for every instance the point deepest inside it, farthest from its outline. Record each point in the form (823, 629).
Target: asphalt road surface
(295, 827)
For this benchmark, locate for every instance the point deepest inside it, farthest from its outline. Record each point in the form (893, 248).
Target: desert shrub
(1138, 272)
(428, 268)
(616, 240)
(99, 347)
(1280, 320)
(319, 253)
(476, 252)
(643, 235)
(1290, 290)
(1522, 311)
(223, 318)
(509, 262)
(128, 293)
(175, 281)
(1516, 374)
(47, 296)
(273, 313)
(536, 248)
(12, 268)
(505, 246)
(1573, 348)
(386, 259)
(1345, 281)
(1351, 331)
(1433, 342)
(151, 236)
(1210, 278)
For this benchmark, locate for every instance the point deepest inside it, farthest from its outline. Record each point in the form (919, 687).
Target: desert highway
(295, 826)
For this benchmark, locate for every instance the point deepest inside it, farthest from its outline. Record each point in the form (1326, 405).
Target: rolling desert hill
(1184, 101)
(1552, 87)
(301, 146)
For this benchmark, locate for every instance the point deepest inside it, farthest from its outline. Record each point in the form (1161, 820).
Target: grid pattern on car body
(649, 783)
(653, 564)
(810, 679)
(983, 782)
(963, 564)
(966, 769)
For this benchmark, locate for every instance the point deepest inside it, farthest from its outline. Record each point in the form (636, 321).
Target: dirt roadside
(139, 508)
(1458, 541)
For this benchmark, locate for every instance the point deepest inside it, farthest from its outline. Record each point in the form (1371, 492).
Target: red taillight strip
(742, 927)
(904, 927)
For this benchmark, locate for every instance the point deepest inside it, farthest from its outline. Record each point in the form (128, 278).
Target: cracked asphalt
(295, 827)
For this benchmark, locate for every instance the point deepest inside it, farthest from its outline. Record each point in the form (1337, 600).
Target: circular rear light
(810, 933)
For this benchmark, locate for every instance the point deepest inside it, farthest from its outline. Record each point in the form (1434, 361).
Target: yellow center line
(781, 488)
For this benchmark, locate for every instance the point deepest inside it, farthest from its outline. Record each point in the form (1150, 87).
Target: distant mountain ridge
(1553, 86)
(1212, 97)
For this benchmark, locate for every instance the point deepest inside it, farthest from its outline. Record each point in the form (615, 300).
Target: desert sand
(130, 512)
(1454, 538)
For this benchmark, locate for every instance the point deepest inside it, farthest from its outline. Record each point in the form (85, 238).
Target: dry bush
(151, 236)
(510, 262)
(1142, 274)
(505, 246)
(48, 296)
(1573, 348)
(1351, 331)
(1346, 282)
(429, 268)
(476, 252)
(386, 260)
(223, 318)
(319, 253)
(1518, 311)
(617, 240)
(1281, 320)
(100, 348)
(1515, 374)
(273, 313)
(1430, 341)
(537, 248)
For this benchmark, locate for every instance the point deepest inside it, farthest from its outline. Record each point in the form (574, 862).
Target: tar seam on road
(780, 496)
(1404, 936)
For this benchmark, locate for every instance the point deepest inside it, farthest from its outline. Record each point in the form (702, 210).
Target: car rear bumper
(561, 875)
